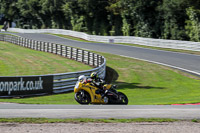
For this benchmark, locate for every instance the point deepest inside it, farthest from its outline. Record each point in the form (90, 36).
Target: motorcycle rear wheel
(82, 99)
(123, 98)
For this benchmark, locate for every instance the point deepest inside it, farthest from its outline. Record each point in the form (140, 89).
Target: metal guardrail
(163, 43)
(62, 82)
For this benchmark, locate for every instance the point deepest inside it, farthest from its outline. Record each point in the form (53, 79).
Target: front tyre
(123, 99)
(82, 97)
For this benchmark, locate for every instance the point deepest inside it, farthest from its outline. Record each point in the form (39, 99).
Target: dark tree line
(166, 19)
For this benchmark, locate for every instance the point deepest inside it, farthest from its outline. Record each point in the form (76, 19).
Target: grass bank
(144, 84)
(69, 37)
(16, 60)
(8, 34)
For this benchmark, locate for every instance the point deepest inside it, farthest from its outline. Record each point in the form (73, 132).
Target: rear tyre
(82, 97)
(123, 99)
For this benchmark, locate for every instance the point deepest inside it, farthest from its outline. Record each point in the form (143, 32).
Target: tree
(168, 19)
(30, 14)
(174, 17)
(9, 9)
(139, 18)
(114, 17)
(193, 24)
(87, 15)
(52, 10)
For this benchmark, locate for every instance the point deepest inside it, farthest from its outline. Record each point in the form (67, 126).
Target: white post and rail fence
(21, 86)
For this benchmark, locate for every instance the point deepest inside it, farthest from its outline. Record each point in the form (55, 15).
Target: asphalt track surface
(181, 61)
(185, 62)
(99, 111)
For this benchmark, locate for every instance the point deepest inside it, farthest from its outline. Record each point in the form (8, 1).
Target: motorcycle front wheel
(82, 97)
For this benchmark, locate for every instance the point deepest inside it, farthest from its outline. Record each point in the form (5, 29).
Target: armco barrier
(163, 43)
(62, 82)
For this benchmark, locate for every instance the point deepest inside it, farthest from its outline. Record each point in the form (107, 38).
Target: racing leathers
(99, 83)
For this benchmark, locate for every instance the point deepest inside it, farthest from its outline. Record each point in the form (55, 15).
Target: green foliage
(125, 27)
(167, 19)
(193, 24)
(78, 23)
(174, 17)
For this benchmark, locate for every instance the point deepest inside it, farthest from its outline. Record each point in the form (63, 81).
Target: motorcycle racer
(86, 92)
(98, 82)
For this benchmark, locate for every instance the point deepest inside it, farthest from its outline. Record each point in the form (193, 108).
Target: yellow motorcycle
(87, 93)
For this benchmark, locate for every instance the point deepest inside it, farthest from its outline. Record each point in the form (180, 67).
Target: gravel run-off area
(142, 127)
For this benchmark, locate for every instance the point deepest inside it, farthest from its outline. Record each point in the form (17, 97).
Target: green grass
(143, 46)
(9, 34)
(67, 98)
(165, 49)
(71, 38)
(144, 84)
(82, 120)
(196, 120)
(1, 26)
(17, 61)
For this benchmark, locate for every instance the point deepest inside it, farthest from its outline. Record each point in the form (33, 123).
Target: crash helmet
(94, 75)
(82, 78)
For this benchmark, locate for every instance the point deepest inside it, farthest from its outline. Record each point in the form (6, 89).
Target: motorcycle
(88, 93)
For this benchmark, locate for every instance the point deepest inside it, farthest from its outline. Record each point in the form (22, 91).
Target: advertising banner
(24, 86)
